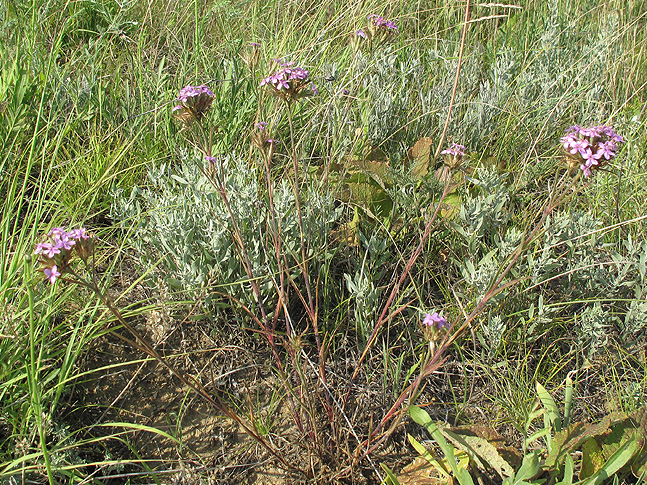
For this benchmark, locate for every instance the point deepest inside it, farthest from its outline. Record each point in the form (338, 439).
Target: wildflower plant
(56, 256)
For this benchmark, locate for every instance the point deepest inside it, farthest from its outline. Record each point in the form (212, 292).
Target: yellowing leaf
(419, 155)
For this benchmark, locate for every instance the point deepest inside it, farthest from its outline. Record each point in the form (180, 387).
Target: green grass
(87, 89)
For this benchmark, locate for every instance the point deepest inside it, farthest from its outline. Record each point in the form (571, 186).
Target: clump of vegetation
(347, 215)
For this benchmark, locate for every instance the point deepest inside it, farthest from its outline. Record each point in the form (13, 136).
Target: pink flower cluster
(592, 147)
(290, 82)
(194, 103)
(382, 23)
(56, 253)
(378, 29)
(455, 151)
(189, 92)
(433, 320)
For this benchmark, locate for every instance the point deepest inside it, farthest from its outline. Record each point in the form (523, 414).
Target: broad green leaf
(363, 190)
(619, 459)
(620, 434)
(550, 406)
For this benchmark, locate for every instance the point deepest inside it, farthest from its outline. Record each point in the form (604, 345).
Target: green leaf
(539, 434)
(550, 406)
(568, 400)
(529, 467)
(421, 417)
(179, 179)
(569, 467)
(390, 476)
(619, 459)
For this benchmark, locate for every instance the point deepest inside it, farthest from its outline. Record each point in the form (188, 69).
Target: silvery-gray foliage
(392, 89)
(482, 222)
(180, 218)
(570, 261)
(574, 258)
(478, 277)
(635, 320)
(369, 268)
(576, 264)
(512, 84)
(487, 211)
(491, 334)
(591, 328)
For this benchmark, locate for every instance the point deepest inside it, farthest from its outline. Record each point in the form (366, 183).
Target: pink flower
(590, 148)
(435, 320)
(48, 250)
(290, 82)
(52, 273)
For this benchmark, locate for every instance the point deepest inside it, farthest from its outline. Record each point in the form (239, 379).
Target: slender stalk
(34, 388)
(456, 78)
(403, 276)
(560, 191)
(304, 246)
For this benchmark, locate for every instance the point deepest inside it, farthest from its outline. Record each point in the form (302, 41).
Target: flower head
(454, 155)
(434, 320)
(382, 23)
(590, 148)
(290, 83)
(194, 103)
(78, 234)
(434, 327)
(377, 30)
(56, 253)
(455, 150)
